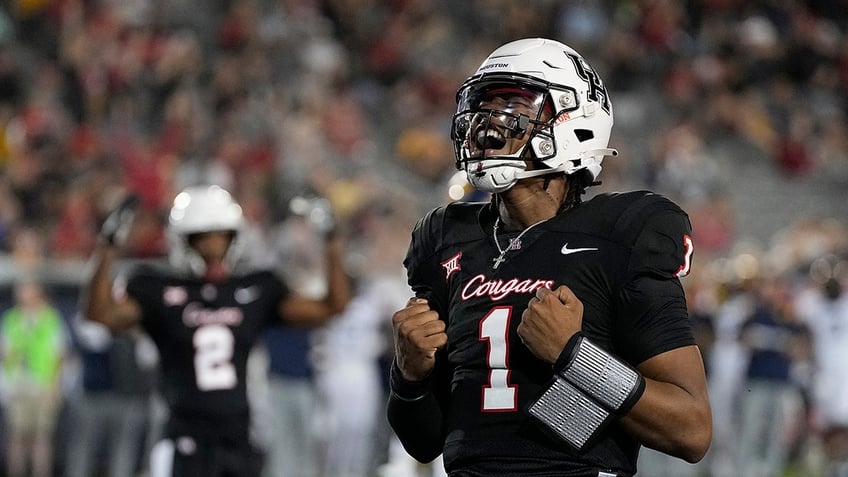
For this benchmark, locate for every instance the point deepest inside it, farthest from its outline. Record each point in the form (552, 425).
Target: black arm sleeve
(416, 411)
(417, 425)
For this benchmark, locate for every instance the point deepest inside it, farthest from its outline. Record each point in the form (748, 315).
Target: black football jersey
(204, 333)
(621, 254)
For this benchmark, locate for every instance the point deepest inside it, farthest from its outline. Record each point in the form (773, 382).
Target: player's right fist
(418, 334)
(552, 317)
(116, 227)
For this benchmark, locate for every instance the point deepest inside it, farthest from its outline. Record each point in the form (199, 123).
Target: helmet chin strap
(607, 151)
(538, 172)
(541, 172)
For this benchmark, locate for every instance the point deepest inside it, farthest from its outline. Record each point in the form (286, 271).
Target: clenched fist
(551, 318)
(418, 334)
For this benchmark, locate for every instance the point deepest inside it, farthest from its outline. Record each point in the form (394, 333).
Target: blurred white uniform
(726, 376)
(348, 376)
(828, 320)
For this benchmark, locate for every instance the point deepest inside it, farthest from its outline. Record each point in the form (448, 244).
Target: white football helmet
(197, 209)
(545, 76)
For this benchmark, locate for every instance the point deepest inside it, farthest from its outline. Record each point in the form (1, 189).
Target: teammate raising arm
(548, 336)
(204, 310)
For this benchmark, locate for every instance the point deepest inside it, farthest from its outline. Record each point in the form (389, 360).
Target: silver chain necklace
(514, 243)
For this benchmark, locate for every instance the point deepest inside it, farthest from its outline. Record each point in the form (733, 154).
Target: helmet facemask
(494, 124)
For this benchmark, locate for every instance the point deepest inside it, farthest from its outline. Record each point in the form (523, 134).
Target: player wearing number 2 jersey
(548, 336)
(204, 311)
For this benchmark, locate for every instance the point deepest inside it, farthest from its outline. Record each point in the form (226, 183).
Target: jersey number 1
(498, 394)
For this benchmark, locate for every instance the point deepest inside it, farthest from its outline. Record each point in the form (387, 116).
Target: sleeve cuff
(404, 389)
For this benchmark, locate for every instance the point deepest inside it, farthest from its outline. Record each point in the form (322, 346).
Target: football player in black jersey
(548, 336)
(205, 312)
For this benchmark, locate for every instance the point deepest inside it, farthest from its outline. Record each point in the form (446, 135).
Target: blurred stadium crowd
(735, 109)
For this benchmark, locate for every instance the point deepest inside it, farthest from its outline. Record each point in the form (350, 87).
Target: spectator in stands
(32, 346)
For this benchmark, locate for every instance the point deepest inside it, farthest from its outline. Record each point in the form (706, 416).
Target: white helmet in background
(555, 79)
(198, 209)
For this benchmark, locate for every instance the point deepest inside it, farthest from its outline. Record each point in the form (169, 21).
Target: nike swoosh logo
(568, 251)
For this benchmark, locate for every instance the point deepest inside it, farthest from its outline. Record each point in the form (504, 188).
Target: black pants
(190, 457)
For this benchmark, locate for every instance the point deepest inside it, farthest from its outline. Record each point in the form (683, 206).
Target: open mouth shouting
(489, 138)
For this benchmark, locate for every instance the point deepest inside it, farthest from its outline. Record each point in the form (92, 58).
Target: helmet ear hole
(584, 135)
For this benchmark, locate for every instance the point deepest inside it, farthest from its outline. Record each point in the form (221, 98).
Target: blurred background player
(288, 412)
(351, 350)
(823, 306)
(110, 407)
(205, 311)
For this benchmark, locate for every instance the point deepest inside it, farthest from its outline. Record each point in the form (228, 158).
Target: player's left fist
(418, 335)
(551, 318)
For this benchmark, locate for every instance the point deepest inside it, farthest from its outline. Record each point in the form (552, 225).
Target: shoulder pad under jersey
(442, 227)
(657, 231)
(454, 223)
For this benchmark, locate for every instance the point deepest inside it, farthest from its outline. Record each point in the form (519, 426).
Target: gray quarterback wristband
(590, 388)
(611, 382)
(572, 415)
